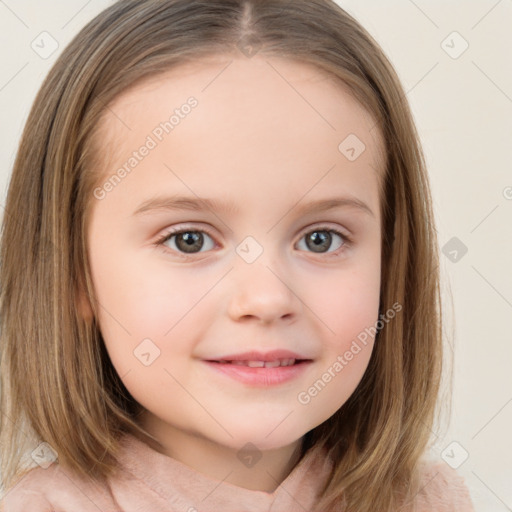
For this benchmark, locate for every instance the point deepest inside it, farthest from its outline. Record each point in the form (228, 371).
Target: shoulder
(44, 490)
(441, 489)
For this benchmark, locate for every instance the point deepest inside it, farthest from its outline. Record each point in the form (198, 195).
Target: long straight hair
(57, 382)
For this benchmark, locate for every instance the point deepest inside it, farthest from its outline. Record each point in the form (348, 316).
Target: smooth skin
(264, 136)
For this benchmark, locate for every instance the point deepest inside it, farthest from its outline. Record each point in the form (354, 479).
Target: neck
(224, 463)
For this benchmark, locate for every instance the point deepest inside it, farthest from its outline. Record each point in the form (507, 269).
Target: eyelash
(347, 241)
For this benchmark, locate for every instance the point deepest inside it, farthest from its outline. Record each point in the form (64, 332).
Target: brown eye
(320, 240)
(189, 241)
(186, 241)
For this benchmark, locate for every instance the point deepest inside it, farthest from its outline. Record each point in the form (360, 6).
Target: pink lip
(261, 356)
(261, 376)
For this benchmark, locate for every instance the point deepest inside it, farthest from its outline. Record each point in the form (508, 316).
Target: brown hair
(58, 384)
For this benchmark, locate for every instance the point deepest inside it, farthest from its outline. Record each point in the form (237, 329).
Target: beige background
(462, 102)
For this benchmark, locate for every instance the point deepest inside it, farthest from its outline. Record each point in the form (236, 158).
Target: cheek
(346, 303)
(347, 306)
(141, 301)
(348, 338)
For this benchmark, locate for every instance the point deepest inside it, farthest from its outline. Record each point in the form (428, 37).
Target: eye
(187, 241)
(190, 241)
(322, 238)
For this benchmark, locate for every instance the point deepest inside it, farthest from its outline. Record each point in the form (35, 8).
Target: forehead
(253, 116)
(316, 96)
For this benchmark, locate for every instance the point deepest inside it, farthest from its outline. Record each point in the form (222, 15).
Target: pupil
(321, 239)
(317, 240)
(190, 239)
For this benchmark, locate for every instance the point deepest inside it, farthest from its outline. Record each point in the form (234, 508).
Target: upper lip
(254, 355)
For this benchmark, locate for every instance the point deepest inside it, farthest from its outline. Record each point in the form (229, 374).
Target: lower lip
(261, 376)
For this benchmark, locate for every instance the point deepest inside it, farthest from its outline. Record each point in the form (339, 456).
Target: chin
(261, 439)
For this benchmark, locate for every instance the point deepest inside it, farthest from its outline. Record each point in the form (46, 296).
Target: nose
(260, 293)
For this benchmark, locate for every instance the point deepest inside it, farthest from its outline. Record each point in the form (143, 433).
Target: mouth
(262, 364)
(261, 374)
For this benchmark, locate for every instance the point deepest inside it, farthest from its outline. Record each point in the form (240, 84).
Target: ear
(84, 306)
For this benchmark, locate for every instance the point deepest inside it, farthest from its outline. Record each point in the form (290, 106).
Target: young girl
(219, 273)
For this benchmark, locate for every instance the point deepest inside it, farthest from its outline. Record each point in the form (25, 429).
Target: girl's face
(270, 144)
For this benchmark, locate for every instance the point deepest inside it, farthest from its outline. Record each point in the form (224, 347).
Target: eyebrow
(184, 203)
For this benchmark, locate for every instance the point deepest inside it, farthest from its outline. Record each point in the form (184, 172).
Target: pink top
(152, 482)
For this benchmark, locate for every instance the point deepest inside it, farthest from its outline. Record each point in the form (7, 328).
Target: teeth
(261, 364)
(255, 364)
